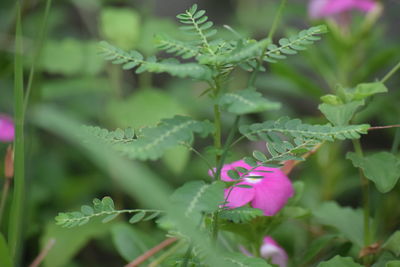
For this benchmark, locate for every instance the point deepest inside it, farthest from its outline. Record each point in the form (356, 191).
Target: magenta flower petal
(6, 129)
(272, 193)
(271, 250)
(238, 196)
(326, 8)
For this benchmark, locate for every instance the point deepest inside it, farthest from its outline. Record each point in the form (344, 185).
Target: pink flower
(327, 8)
(271, 250)
(6, 129)
(269, 194)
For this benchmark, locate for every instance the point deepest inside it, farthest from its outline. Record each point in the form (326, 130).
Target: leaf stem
(390, 73)
(168, 253)
(271, 34)
(17, 205)
(365, 193)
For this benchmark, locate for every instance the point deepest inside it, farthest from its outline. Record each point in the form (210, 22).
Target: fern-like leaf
(197, 197)
(290, 46)
(242, 51)
(152, 142)
(134, 59)
(179, 48)
(240, 215)
(295, 128)
(101, 208)
(246, 101)
(197, 24)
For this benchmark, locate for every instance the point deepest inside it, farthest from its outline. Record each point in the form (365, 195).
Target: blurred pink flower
(269, 194)
(271, 250)
(326, 8)
(6, 129)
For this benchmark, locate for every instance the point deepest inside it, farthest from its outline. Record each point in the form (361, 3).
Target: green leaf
(240, 215)
(393, 264)
(289, 46)
(197, 196)
(393, 243)
(71, 57)
(383, 168)
(316, 247)
(152, 142)
(238, 259)
(297, 129)
(339, 261)
(347, 221)
(176, 47)
(365, 90)
(120, 26)
(137, 217)
(128, 242)
(340, 114)
(69, 243)
(246, 101)
(5, 256)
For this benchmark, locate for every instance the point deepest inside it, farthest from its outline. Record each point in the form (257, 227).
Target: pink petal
(238, 196)
(271, 250)
(6, 129)
(272, 193)
(326, 8)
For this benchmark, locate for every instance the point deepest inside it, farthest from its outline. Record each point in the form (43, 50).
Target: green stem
(365, 193)
(396, 142)
(38, 49)
(16, 215)
(390, 73)
(271, 34)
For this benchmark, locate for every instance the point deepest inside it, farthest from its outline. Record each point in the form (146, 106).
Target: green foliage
(5, 256)
(101, 208)
(197, 197)
(152, 142)
(197, 24)
(347, 221)
(120, 26)
(295, 128)
(288, 139)
(290, 46)
(341, 114)
(339, 109)
(393, 243)
(240, 215)
(70, 242)
(129, 242)
(383, 168)
(132, 59)
(179, 48)
(238, 259)
(246, 101)
(339, 261)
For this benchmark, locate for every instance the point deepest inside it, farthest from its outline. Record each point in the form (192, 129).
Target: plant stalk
(271, 34)
(17, 205)
(390, 73)
(365, 196)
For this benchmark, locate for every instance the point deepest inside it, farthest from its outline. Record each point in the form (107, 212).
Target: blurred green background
(71, 76)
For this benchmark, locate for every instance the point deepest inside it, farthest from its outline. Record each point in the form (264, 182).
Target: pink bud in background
(272, 251)
(6, 129)
(327, 8)
(268, 194)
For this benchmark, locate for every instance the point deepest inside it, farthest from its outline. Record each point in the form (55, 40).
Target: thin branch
(142, 258)
(38, 260)
(383, 127)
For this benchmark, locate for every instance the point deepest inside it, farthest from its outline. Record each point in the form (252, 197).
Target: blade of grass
(38, 50)
(17, 205)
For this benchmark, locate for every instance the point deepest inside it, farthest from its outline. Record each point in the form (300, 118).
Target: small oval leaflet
(137, 217)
